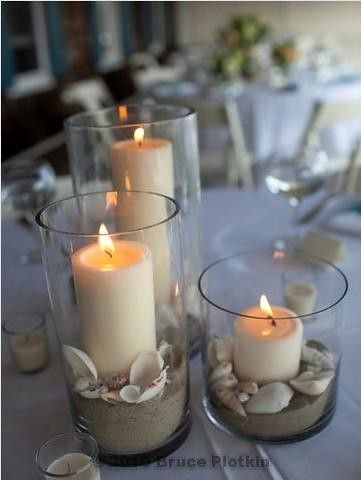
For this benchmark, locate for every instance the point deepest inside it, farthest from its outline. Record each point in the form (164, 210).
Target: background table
(35, 407)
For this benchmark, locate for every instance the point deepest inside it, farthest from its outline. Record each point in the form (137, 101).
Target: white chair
(230, 158)
(90, 94)
(327, 116)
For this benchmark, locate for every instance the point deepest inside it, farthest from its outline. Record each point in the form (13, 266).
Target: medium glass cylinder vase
(150, 148)
(115, 279)
(272, 344)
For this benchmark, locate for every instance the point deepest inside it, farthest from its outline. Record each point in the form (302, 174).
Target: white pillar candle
(30, 351)
(300, 297)
(115, 299)
(77, 466)
(146, 164)
(267, 349)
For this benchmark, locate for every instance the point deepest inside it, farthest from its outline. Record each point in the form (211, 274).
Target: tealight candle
(28, 342)
(78, 466)
(268, 342)
(300, 297)
(114, 292)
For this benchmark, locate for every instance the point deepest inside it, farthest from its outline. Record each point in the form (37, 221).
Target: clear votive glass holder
(152, 148)
(272, 354)
(27, 341)
(115, 278)
(69, 455)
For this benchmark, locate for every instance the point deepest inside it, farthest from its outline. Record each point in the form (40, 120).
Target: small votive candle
(27, 342)
(69, 455)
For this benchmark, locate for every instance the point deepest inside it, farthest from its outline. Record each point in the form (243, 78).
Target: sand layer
(126, 428)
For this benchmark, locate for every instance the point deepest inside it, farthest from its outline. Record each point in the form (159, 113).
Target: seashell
(81, 384)
(220, 371)
(130, 393)
(313, 368)
(116, 381)
(111, 397)
(270, 398)
(228, 381)
(248, 387)
(317, 358)
(230, 400)
(145, 369)
(312, 383)
(243, 397)
(220, 350)
(172, 355)
(80, 363)
(94, 392)
(155, 388)
(133, 393)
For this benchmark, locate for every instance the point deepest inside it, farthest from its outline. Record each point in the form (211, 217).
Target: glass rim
(44, 209)
(73, 122)
(40, 323)
(300, 255)
(93, 457)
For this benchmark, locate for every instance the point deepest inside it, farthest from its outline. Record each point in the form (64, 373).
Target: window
(109, 36)
(27, 44)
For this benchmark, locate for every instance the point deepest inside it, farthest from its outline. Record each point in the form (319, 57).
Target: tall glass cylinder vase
(272, 345)
(115, 279)
(150, 148)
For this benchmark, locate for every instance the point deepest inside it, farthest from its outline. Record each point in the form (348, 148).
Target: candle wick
(140, 143)
(273, 321)
(108, 253)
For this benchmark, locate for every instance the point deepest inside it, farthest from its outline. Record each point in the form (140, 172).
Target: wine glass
(296, 178)
(27, 185)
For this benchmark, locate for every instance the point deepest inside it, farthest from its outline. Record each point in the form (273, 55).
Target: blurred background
(259, 74)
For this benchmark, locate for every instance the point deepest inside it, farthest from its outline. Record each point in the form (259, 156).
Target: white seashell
(80, 363)
(231, 401)
(228, 381)
(111, 397)
(220, 350)
(248, 387)
(81, 384)
(270, 398)
(133, 393)
(130, 393)
(220, 371)
(171, 354)
(317, 358)
(145, 369)
(243, 397)
(313, 368)
(155, 388)
(94, 392)
(312, 383)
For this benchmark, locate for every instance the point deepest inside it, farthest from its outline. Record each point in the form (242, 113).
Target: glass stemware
(296, 178)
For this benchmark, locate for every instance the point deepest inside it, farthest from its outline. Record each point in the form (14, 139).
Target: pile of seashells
(147, 376)
(249, 398)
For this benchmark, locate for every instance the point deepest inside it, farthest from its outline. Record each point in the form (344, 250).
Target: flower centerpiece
(236, 54)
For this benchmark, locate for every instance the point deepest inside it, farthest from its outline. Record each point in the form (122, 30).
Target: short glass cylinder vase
(115, 279)
(151, 148)
(272, 344)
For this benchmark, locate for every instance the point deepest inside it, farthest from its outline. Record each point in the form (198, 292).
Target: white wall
(199, 21)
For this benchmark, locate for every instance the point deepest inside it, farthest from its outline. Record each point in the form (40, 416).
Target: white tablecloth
(35, 407)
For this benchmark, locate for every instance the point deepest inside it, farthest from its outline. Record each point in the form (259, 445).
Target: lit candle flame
(267, 310)
(111, 200)
(139, 136)
(123, 113)
(105, 242)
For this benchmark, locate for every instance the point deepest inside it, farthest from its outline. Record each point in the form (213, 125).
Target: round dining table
(35, 406)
